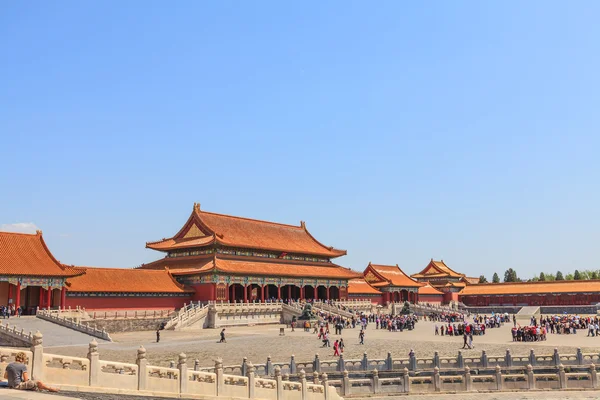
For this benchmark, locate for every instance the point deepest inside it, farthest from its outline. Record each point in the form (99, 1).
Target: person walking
(223, 336)
(336, 348)
(361, 336)
(341, 345)
(157, 335)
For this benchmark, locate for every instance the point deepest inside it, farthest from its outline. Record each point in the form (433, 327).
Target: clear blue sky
(467, 131)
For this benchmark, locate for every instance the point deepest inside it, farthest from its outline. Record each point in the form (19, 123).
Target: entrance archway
(334, 293)
(322, 292)
(271, 292)
(309, 292)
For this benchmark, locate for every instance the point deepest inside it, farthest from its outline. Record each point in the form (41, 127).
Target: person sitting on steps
(18, 377)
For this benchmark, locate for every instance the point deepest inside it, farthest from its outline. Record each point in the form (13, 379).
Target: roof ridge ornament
(38, 232)
(196, 206)
(303, 224)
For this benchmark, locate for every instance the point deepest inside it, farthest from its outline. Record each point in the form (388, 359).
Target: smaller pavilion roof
(24, 254)
(360, 286)
(437, 269)
(428, 289)
(388, 275)
(120, 280)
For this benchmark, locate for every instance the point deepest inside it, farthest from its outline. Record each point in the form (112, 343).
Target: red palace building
(229, 258)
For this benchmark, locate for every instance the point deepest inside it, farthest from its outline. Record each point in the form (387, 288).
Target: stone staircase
(190, 315)
(54, 335)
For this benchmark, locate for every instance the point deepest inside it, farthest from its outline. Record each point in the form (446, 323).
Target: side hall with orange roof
(544, 293)
(229, 258)
(360, 289)
(30, 276)
(394, 284)
(429, 294)
(115, 288)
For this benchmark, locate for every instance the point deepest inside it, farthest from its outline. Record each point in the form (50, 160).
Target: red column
(245, 293)
(327, 292)
(18, 300)
(316, 292)
(289, 292)
(49, 298)
(302, 293)
(278, 292)
(9, 293)
(262, 295)
(63, 297)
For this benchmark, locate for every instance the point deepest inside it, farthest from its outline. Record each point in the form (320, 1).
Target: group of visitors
(534, 333)
(10, 310)
(396, 323)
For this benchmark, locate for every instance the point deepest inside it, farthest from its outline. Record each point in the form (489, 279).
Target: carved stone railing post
(498, 378)
(375, 381)
(269, 367)
(251, 380)
(556, 358)
(532, 360)
(579, 356)
(530, 378)
(244, 367)
(292, 365)
(142, 363)
(468, 380)
(341, 365)
(593, 376)
(346, 384)
(406, 379)
(437, 386)
(484, 359)
(436, 360)
(220, 378)
(183, 373)
(279, 382)
(412, 360)
(460, 362)
(196, 365)
(37, 351)
(508, 358)
(302, 379)
(325, 383)
(389, 362)
(562, 377)
(315, 377)
(94, 358)
(317, 364)
(365, 362)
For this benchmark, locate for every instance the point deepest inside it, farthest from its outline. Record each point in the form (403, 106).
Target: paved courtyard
(258, 342)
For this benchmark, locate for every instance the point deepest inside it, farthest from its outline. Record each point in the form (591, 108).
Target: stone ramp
(524, 315)
(54, 335)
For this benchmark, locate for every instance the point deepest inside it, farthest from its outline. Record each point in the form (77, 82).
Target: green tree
(559, 276)
(510, 275)
(593, 275)
(482, 279)
(550, 276)
(577, 275)
(542, 276)
(534, 279)
(495, 278)
(569, 277)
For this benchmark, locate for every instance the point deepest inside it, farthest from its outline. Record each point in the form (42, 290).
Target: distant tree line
(510, 275)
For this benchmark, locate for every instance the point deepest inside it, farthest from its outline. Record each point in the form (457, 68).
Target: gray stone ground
(258, 342)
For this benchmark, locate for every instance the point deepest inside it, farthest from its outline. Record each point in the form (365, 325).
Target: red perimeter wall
(133, 303)
(431, 298)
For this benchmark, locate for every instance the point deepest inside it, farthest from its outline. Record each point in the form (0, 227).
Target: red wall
(204, 291)
(133, 303)
(431, 298)
(358, 296)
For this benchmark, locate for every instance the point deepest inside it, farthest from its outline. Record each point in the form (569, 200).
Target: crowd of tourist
(10, 310)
